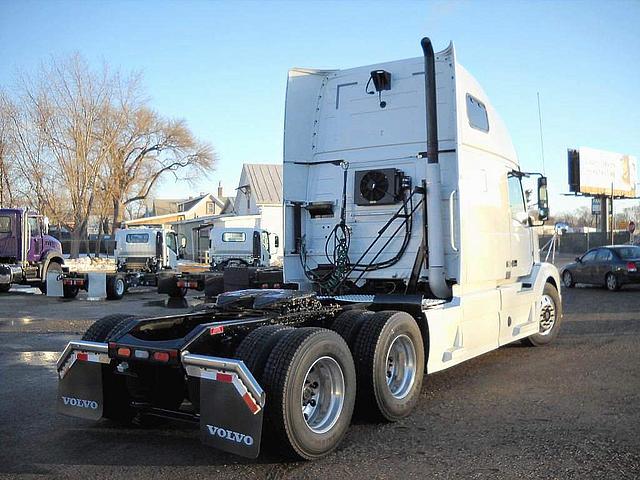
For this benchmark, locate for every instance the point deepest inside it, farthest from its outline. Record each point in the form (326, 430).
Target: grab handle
(451, 225)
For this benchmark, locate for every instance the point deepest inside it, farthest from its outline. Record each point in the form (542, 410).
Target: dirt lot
(570, 410)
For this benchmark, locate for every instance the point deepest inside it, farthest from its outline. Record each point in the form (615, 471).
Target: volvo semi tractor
(411, 249)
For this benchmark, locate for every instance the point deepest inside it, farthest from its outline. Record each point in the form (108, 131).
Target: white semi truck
(410, 245)
(141, 254)
(240, 257)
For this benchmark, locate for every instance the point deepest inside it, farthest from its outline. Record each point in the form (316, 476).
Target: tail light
(161, 356)
(632, 267)
(124, 352)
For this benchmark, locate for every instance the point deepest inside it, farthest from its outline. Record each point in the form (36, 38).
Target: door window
(171, 242)
(34, 227)
(603, 255)
(589, 256)
(516, 199)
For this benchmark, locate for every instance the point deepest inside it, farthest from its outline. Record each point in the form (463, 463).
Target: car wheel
(612, 282)
(567, 279)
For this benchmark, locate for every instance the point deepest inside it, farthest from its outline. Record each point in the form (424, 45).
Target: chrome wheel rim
(401, 366)
(567, 279)
(322, 395)
(547, 315)
(611, 282)
(119, 286)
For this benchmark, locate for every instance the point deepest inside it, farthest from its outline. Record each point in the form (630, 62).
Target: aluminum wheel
(401, 366)
(547, 314)
(612, 282)
(322, 395)
(119, 287)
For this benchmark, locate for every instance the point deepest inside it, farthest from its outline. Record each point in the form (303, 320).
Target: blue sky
(222, 65)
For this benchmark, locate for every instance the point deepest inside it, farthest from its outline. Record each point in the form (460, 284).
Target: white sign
(604, 173)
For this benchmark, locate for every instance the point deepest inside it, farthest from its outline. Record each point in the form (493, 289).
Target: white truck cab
(400, 179)
(240, 245)
(146, 249)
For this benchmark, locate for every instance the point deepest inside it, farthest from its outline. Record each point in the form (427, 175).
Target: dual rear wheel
(315, 377)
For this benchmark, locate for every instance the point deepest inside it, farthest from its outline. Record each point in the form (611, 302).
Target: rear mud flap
(226, 421)
(231, 403)
(79, 368)
(80, 391)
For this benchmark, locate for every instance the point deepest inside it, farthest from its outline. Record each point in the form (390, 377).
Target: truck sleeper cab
(412, 250)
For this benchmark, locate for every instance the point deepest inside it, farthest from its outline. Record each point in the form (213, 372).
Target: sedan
(611, 266)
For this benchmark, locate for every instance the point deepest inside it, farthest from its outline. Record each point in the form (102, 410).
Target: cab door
(584, 271)
(520, 260)
(172, 250)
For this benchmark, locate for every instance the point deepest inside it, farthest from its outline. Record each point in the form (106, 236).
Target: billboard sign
(598, 172)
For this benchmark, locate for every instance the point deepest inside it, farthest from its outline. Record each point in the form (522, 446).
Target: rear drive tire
(310, 381)
(389, 356)
(611, 282)
(114, 387)
(550, 318)
(349, 323)
(116, 287)
(567, 279)
(255, 348)
(53, 267)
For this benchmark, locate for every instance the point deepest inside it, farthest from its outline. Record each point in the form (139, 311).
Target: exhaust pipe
(435, 235)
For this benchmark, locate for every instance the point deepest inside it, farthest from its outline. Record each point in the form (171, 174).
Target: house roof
(265, 181)
(162, 206)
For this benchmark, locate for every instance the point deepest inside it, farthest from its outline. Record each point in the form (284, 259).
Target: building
(165, 212)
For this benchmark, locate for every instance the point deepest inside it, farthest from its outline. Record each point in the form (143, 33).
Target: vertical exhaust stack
(437, 282)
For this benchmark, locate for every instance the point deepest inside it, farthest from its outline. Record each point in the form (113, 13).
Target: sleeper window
(477, 114)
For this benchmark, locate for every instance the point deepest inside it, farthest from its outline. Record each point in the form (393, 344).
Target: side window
(516, 199)
(589, 256)
(477, 114)
(603, 255)
(171, 242)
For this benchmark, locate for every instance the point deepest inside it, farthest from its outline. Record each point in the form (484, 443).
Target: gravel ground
(568, 410)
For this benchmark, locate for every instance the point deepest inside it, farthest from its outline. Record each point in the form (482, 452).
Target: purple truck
(27, 253)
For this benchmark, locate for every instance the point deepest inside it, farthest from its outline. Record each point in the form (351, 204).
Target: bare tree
(6, 165)
(149, 148)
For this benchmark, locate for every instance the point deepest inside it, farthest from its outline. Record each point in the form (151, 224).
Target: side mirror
(578, 259)
(45, 225)
(183, 241)
(543, 200)
(276, 241)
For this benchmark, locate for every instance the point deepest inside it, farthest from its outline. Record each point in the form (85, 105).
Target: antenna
(541, 139)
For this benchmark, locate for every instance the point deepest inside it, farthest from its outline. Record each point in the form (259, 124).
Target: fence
(107, 246)
(581, 242)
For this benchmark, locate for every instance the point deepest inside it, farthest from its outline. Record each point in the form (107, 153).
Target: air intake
(377, 187)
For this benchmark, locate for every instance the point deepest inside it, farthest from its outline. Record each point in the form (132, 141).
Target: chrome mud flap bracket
(80, 379)
(231, 404)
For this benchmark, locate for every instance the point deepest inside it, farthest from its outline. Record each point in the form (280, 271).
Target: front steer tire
(114, 388)
(388, 390)
(541, 339)
(287, 380)
(116, 287)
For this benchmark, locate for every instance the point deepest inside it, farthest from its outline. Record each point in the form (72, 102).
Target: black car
(611, 266)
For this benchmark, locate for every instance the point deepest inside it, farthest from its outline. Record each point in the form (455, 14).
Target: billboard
(597, 172)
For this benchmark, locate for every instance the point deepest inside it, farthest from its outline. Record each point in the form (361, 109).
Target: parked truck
(27, 252)
(140, 255)
(412, 249)
(240, 257)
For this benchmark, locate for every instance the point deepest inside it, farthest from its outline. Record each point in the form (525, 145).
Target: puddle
(38, 359)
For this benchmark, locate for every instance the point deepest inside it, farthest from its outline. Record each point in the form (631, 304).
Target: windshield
(5, 224)
(627, 253)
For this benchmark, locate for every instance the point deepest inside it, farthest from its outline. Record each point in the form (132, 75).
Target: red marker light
(216, 330)
(161, 356)
(82, 356)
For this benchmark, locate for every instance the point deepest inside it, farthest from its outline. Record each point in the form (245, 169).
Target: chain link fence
(581, 242)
